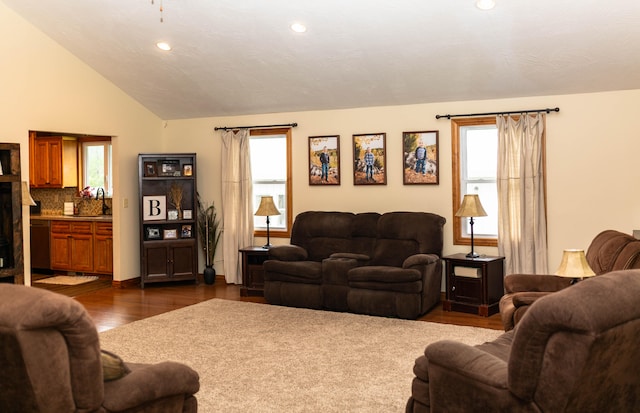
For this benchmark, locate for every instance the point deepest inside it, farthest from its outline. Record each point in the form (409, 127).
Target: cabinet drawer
(70, 227)
(103, 228)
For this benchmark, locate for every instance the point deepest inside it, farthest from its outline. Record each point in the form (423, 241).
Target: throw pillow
(113, 367)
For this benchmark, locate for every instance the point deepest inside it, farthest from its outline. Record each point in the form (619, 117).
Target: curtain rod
(293, 125)
(548, 110)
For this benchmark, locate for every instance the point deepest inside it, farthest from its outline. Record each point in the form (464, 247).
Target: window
(96, 165)
(270, 151)
(475, 162)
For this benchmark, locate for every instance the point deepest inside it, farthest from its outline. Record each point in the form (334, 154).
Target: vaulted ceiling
(233, 57)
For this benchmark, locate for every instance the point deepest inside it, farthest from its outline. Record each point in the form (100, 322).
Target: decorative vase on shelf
(209, 275)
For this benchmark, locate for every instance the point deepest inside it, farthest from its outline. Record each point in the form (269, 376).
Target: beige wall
(592, 144)
(591, 147)
(43, 87)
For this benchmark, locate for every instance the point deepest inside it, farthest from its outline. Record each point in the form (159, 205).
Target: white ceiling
(233, 57)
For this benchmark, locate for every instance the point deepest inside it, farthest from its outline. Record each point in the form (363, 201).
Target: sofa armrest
(466, 361)
(358, 257)
(527, 298)
(287, 253)
(420, 259)
(149, 382)
(514, 283)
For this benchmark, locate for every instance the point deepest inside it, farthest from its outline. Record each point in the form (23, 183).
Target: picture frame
(170, 234)
(154, 208)
(423, 171)
(169, 167)
(150, 169)
(185, 231)
(187, 169)
(172, 214)
(187, 214)
(324, 160)
(152, 233)
(363, 172)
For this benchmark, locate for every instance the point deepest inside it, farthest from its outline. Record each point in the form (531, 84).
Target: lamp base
(473, 255)
(266, 246)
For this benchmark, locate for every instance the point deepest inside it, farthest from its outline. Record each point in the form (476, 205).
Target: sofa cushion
(309, 272)
(385, 278)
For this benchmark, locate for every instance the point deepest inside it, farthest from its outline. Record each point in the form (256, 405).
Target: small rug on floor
(269, 359)
(67, 279)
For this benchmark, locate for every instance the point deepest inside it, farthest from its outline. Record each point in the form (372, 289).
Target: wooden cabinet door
(82, 252)
(103, 248)
(182, 261)
(60, 251)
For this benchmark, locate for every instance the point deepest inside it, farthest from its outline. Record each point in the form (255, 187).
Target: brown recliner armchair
(574, 351)
(51, 363)
(609, 251)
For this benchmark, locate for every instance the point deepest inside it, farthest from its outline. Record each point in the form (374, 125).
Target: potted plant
(209, 234)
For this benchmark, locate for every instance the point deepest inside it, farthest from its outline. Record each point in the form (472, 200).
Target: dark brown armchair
(609, 251)
(51, 363)
(574, 351)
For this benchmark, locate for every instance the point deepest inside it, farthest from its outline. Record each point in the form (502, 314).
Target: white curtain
(522, 226)
(237, 205)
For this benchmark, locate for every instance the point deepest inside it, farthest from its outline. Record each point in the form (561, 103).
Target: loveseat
(367, 263)
(574, 351)
(610, 250)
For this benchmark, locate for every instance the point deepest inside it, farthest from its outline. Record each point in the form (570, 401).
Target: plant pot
(209, 275)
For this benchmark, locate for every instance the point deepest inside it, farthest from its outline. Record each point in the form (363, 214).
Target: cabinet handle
(453, 288)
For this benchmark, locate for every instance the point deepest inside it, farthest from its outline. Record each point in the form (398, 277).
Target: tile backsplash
(53, 201)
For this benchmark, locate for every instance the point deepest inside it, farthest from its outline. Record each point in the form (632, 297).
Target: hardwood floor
(113, 307)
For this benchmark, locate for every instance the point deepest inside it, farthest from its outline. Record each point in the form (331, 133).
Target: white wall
(43, 87)
(591, 148)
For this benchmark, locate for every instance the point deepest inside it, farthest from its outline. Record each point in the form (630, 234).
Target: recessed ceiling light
(163, 46)
(298, 27)
(485, 4)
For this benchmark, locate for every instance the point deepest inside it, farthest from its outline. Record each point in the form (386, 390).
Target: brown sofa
(574, 351)
(368, 263)
(609, 251)
(51, 363)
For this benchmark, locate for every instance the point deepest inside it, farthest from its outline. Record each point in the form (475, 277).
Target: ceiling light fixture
(163, 46)
(485, 4)
(298, 27)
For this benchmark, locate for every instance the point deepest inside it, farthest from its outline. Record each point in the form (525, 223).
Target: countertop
(99, 218)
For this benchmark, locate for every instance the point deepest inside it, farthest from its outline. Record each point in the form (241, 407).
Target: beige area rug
(67, 279)
(262, 358)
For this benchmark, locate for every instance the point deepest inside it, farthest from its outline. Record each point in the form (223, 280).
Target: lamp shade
(574, 265)
(26, 195)
(471, 207)
(267, 207)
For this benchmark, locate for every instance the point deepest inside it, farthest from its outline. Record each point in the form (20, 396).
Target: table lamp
(471, 207)
(574, 265)
(266, 209)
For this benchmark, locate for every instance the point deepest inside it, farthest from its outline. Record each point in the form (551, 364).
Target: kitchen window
(97, 166)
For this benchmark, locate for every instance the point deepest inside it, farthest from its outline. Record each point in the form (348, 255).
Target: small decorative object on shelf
(168, 252)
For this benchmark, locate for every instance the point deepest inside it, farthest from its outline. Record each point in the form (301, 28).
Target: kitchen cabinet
(103, 247)
(72, 246)
(53, 161)
(168, 217)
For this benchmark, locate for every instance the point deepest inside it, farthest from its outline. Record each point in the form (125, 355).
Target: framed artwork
(370, 159)
(169, 167)
(420, 158)
(150, 169)
(324, 160)
(187, 214)
(152, 233)
(187, 169)
(170, 234)
(172, 214)
(154, 208)
(186, 231)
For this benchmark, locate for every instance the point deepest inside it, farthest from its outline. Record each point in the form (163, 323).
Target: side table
(474, 285)
(252, 271)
